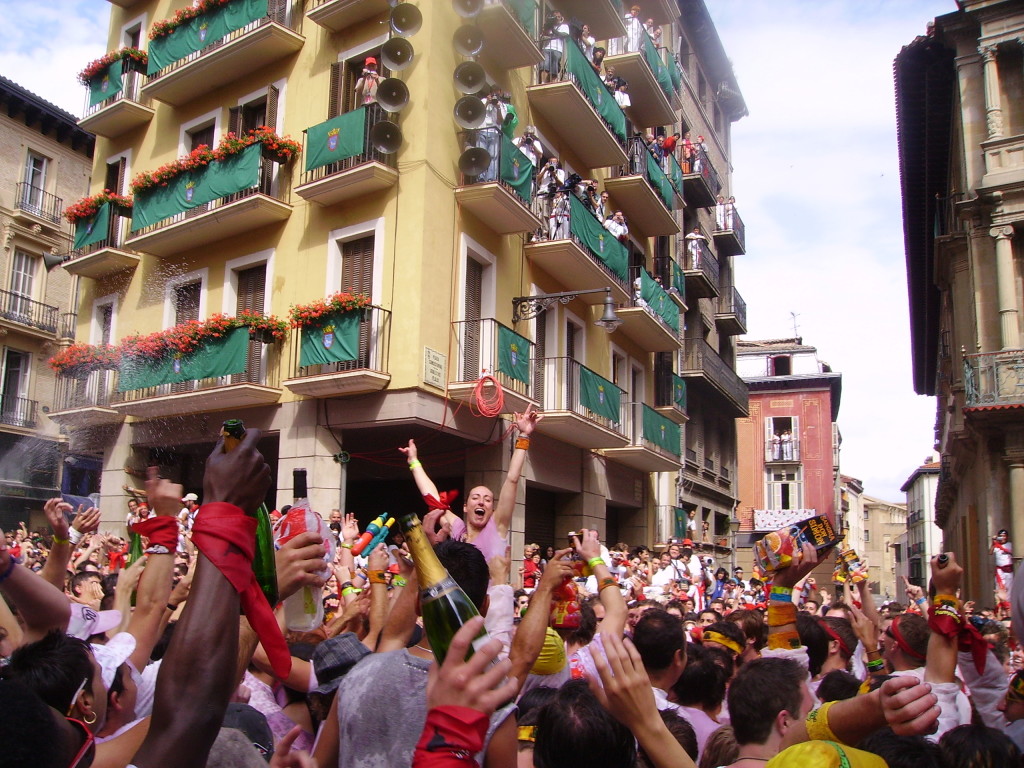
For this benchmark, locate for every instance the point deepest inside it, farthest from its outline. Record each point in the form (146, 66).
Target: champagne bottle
(263, 561)
(303, 611)
(134, 553)
(443, 604)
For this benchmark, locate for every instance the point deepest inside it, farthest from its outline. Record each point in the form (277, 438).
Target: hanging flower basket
(133, 57)
(79, 360)
(279, 148)
(315, 313)
(166, 27)
(88, 207)
(185, 338)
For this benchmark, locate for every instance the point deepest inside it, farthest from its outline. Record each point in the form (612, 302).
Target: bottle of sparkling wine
(263, 562)
(443, 604)
(303, 611)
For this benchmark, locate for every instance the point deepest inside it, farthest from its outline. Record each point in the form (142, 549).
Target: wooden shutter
(235, 120)
(334, 97)
(540, 352)
(272, 97)
(357, 277)
(251, 295)
(471, 326)
(270, 120)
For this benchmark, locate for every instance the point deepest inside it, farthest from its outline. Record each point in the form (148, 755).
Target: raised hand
(409, 450)
(349, 528)
(86, 521)
(299, 562)
(54, 510)
(473, 684)
(164, 496)
(527, 421)
(588, 547)
(378, 559)
(910, 707)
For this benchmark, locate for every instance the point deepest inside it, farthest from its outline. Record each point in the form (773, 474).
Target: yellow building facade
(458, 265)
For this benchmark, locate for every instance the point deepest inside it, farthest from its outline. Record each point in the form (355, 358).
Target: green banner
(661, 73)
(660, 182)
(93, 229)
(663, 432)
(595, 90)
(516, 169)
(658, 300)
(681, 518)
(599, 395)
(218, 357)
(194, 188)
(513, 355)
(526, 12)
(336, 341)
(679, 391)
(676, 175)
(203, 31)
(590, 232)
(107, 83)
(674, 74)
(678, 280)
(334, 140)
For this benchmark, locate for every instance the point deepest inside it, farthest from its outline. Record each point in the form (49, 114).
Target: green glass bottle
(134, 553)
(443, 604)
(264, 564)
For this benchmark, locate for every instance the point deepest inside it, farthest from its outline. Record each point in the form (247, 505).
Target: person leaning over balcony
(634, 30)
(695, 247)
(597, 60)
(616, 224)
(555, 35)
(366, 85)
(621, 97)
(529, 145)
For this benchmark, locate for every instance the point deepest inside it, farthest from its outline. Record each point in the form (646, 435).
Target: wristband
(345, 584)
(399, 581)
(413, 463)
(345, 545)
(608, 581)
(523, 443)
(777, 640)
(10, 569)
(350, 591)
(781, 613)
(58, 540)
(817, 724)
(874, 665)
(783, 594)
(377, 577)
(945, 600)
(921, 601)
(74, 536)
(594, 562)
(876, 650)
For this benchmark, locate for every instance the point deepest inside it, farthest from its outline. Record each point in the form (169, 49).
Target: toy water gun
(383, 534)
(371, 532)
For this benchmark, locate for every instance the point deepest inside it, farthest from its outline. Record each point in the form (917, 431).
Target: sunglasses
(87, 752)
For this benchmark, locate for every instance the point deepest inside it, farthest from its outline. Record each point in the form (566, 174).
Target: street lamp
(526, 307)
(734, 528)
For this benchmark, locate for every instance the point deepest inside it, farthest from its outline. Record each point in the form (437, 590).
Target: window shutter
(540, 327)
(334, 97)
(272, 97)
(471, 326)
(251, 295)
(357, 277)
(235, 120)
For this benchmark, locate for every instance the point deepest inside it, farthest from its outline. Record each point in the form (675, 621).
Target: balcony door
(357, 277)
(471, 321)
(23, 271)
(186, 309)
(35, 183)
(252, 286)
(14, 407)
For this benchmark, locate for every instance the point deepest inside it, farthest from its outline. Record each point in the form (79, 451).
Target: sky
(816, 181)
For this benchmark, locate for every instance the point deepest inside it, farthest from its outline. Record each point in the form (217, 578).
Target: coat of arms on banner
(332, 139)
(328, 339)
(89, 226)
(202, 32)
(600, 243)
(177, 364)
(190, 190)
(105, 83)
(513, 353)
(600, 393)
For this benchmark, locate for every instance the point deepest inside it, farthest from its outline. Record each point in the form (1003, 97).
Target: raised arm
(529, 638)
(41, 606)
(589, 548)
(423, 482)
(55, 570)
(940, 666)
(525, 423)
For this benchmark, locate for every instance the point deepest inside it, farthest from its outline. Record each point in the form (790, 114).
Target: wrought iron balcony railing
(131, 89)
(374, 347)
(488, 346)
(698, 258)
(994, 378)
(18, 412)
(92, 391)
(369, 154)
(727, 219)
(782, 448)
(698, 355)
(38, 202)
(731, 303)
(24, 310)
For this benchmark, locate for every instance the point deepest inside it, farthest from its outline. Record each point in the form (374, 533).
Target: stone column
(1014, 458)
(1006, 287)
(993, 109)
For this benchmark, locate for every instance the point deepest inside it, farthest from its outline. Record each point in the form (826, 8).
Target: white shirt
(557, 43)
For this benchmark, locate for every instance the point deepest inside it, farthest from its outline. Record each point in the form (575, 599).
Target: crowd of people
(606, 655)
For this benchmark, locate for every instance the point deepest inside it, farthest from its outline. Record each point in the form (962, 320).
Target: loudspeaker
(396, 54)
(474, 161)
(469, 112)
(468, 40)
(470, 77)
(406, 19)
(386, 137)
(52, 260)
(392, 94)
(467, 9)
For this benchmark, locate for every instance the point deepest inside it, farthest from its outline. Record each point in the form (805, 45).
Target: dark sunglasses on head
(87, 752)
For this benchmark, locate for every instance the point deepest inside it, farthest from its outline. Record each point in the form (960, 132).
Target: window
(344, 76)
(781, 365)
(186, 302)
(200, 135)
(23, 270)
(14, 407)
(781, 433)
(33, 191)
(867, 535)
(252, 283)
(784, 489)
(867, 515)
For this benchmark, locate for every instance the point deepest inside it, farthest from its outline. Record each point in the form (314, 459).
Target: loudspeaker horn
(406, 19)
(392, 94)
(386, 137)
(474, 161)
(470, 77)
(468, 40)
(52, 260)
(469, 112)
(467, 9)
(396, 54)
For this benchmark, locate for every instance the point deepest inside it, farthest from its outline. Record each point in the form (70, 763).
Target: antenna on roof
(796, 332)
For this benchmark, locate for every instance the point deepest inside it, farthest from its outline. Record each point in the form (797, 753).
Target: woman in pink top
(486, 523)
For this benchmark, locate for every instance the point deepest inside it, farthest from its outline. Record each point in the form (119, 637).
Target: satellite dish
(468, 40)
(386, 137)
(470, 77)
(396, 54)
(469, 112)
(474, 161)
(406, 19)
(467, 9)
(392, 94)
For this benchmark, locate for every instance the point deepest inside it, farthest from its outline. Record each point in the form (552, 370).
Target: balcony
(702, 363)
(499, 196)
(653, 441)
(581, 112)
(644, 193)
(105, 257)
(782, 448)
(486, 347)
(700, 268)
(580, 407)
(240, 212)
(701, 184)
(673, 279)
(582, 254)
(336, 15)
(730, 237)
(254, 46)
(1004, 161)
(33, 206)
(603, 16)
(85, 402)
(364, 172)
(652, 319)
(670, 523)
(994, 379)
(731, 317)
(650, 84)
(18, 412)
(126, 3)
(670, 394)
(124, 111)
(368, 372)
(23, 314)
(509, 33)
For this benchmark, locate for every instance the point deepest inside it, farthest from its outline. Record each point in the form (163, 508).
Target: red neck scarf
(161, 531)
(227, 537)
(445, 502)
